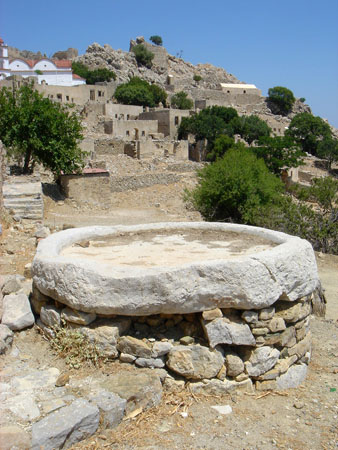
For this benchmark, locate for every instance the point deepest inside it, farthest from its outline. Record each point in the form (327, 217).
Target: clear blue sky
(292, 43)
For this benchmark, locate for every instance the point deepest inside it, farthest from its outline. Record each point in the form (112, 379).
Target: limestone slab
(253, 281)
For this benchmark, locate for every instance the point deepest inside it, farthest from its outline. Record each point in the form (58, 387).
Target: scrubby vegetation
(140, 92)
(143, 56)
(181, 101)
(92, 76)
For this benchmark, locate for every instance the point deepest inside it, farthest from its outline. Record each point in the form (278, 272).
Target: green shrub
(197, 78)
(157, 40)
(140, 92)
(143, 56)
(92, 76)
(181, 101)
(232, 188)
(282, 99)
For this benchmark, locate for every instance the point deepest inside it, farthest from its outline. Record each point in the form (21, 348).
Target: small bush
(232, 188)
(302, 99)
(140, 92)
(75, 348)
(143, 56)
(197, 78)
(181, 101)
(157, 40)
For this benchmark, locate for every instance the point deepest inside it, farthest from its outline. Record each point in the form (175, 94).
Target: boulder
(261, 360)
(221, 331)
(133, 346)
(293, 377)
(78, 317)
(6, 338)
(50, 316)
(233, 363)
(66, 426)
(17, 313)
(111, 407)
(194, 361)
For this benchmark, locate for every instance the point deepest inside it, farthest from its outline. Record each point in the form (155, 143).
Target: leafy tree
(282, 99)
(140, 92)
(308, 131)
(99, 75)
(159, 95)
(328, 149)
(234, 187)
(254, 128)
(208, 124)
(143, 56)
(92, 76)
(157, 40)
(40, 130)
(222, 144)
(181, 101)
(279, 153)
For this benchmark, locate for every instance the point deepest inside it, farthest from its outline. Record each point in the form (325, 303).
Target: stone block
(293, 377)
(261, 360)
(133, 346)
(293, 312)
(111, 406)
(17, 313)
(221, 331)
(301, 347)
(233, 363)
(212, 314)
(194, 361)
(266, 313)
(78, 317)
(50, 316)
(250, 316)
(151, 363)
(276, 324)
(66, 426)
(161, 349)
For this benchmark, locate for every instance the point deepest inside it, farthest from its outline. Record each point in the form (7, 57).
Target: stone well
(220, 305)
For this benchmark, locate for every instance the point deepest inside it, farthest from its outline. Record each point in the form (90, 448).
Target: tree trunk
(27, 161)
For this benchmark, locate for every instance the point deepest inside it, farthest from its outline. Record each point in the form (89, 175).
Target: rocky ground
(305, 417)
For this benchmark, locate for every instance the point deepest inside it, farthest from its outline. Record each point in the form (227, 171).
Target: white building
(51, 72)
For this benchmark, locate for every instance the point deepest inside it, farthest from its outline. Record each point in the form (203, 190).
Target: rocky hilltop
(125, 66)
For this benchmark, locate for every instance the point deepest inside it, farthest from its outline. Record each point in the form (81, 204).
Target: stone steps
(24, 198)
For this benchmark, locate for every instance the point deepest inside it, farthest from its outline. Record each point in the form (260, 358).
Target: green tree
(308, 131)
(282, 99)
(279, 152)
(222, 144)
(157, 40)
(328, 149)
(93, 76)
(143, 56)
(234, 187)
(253, 128)
(40, 130)
(140, 92)
(208, 124)
(181, 101)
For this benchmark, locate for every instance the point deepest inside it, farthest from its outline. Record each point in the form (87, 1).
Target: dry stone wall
(217, 350)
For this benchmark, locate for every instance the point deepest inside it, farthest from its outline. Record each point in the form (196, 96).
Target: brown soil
(298, 419)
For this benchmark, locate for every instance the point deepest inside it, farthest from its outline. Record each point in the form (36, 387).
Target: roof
(238, 85)
(61, 64)
(77, 77)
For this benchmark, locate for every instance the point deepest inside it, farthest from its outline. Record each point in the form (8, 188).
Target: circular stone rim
(287, 271)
